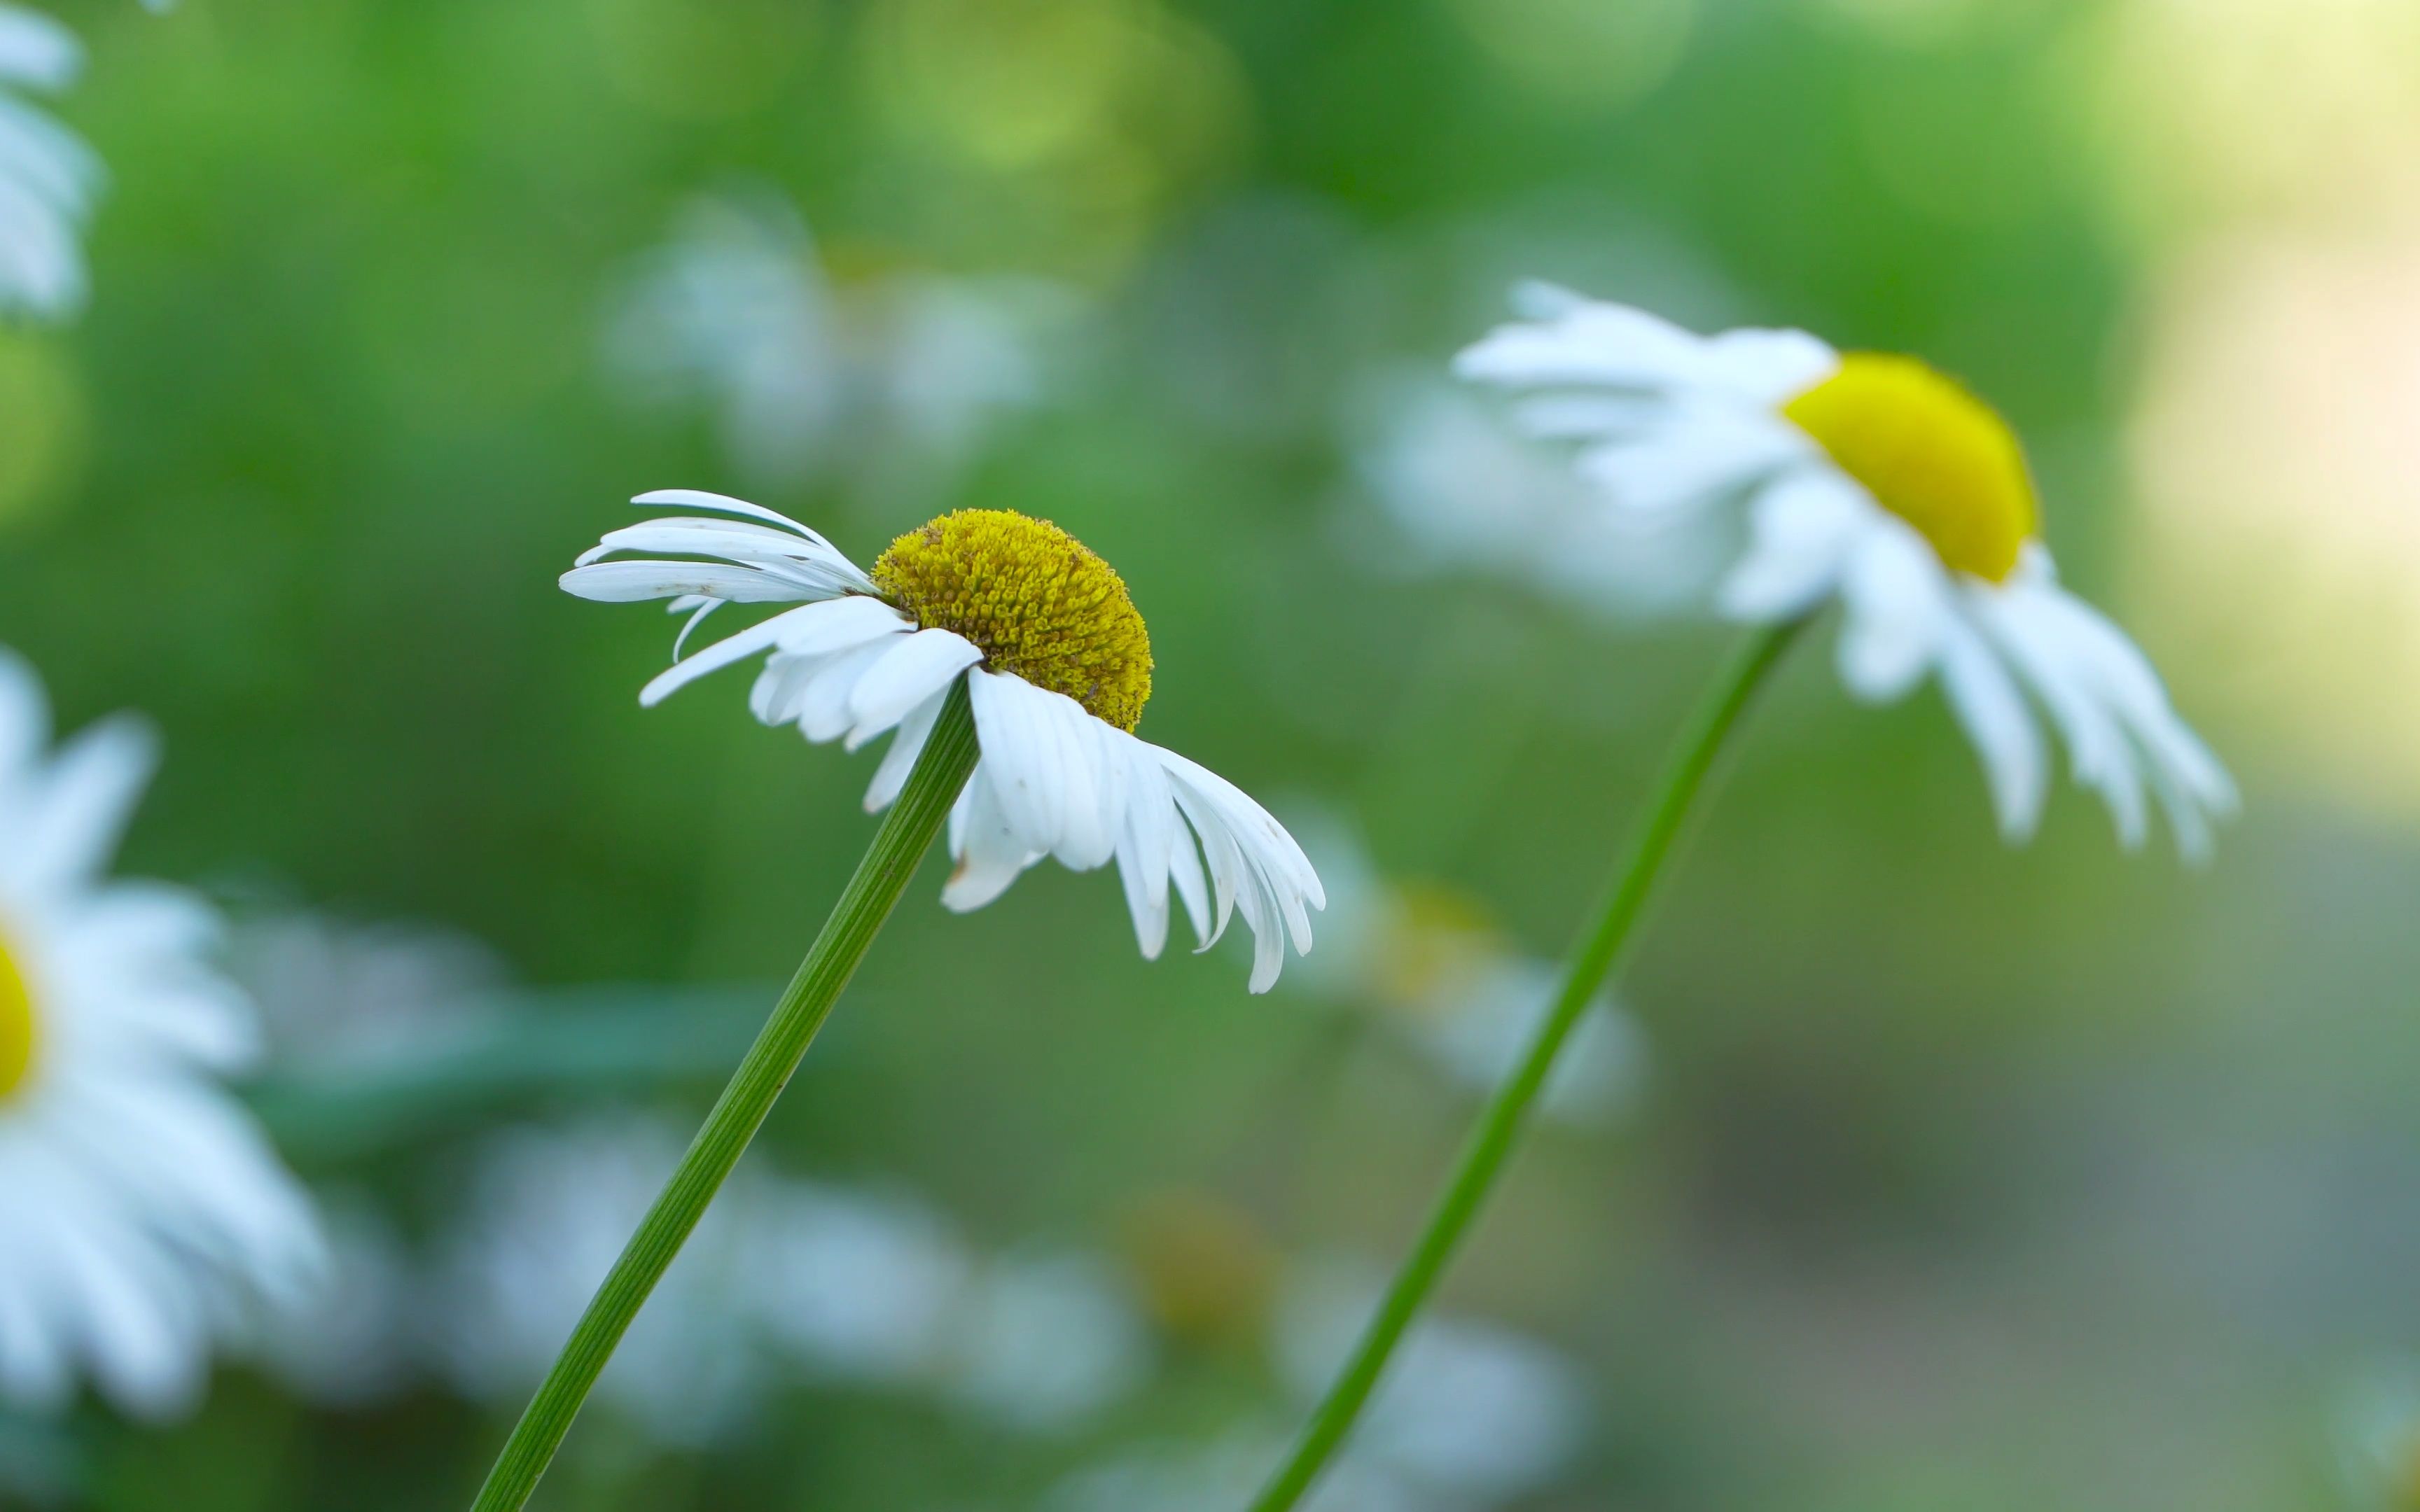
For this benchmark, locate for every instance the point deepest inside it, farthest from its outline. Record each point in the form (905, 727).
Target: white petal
(1897, 598)
(632, 582)
(990, 855)
(1019, 733)
(723, 653)
(1769, 367)
(910, 672)
(1147, 842)
(1993, 715)
(828, 684)
(2021, 620)
(1691, 461)
(700, 499)
(84, 805)
(1800, 530)
(906, 747)
(35, 51)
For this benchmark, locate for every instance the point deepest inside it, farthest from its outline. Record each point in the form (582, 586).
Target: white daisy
(900, 373)
(48, 177)
(144, 1213)
(1433, 969)
(1876, 480)
(1468, 1407)
(546, 1211)
(1058, 664)
(1046, 1342)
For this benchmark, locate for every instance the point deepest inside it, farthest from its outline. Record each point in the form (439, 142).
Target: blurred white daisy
(145, 1215)
(1873, 479)
(337, 996)
(1058, 664)
(739, 312)
(351, 1343)
(1471, 1416)
(857, 1285)
(1463, 490)
(1045, 1341)
(1469, 1409)
(1223, 1474)
(49, 179)
(2379, 1441)
(546, 1211)
(1429, 965)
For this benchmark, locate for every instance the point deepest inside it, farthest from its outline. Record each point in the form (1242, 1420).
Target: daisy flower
(1058, 664)
(1878, 480)
(48, 176)
(145, 1212)
(896, 378)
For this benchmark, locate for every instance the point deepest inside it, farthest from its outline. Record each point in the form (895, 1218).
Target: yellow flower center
(1033, 598)
(16, 1025)
(1930, 453)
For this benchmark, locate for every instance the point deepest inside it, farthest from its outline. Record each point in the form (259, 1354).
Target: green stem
(907, 831)
(1492, 1143)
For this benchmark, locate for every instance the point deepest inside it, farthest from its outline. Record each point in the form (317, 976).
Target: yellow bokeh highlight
(703, 62)
(44, 426)
(1929, 452)
(1058, 133)
(2275, 447)
(1583, 55)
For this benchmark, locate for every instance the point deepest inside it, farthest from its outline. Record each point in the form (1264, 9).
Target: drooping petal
(910, 672)
(1801, 529)
(2102, 758)
(989, 853)
(906, 747)
(83, 807)
(724, 652)
(1896, 597)
(1993, 712)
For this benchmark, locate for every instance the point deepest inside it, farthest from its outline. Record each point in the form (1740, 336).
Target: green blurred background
(1954, 1177)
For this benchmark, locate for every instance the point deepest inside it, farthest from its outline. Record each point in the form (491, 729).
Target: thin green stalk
(1492, 1143)
(907, 831)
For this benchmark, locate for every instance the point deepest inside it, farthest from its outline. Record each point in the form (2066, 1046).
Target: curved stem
(907, 831)
(1492, 1143)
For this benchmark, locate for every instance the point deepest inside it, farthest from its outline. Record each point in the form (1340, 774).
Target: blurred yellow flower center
(1930, 453)
(16, 1023)
(1036, 601)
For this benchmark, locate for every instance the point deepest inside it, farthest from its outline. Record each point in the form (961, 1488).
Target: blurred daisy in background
(894, 379)
(147, 1217)
(354, 1341)
(1432, 970)
(1472, 1417)
(866, 1289)
(49, 179)
(1473, 1412)
(545, 1214)
(1057, 661)
(855, 1285)
(337, 997)
(1045, 1341)
(1223, 1475)
(1464, 489)
(1875, 480)
(2379, 1441)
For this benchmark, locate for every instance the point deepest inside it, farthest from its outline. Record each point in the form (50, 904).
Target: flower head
(1878, 480)
(144, 1211)
(1058, 663)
